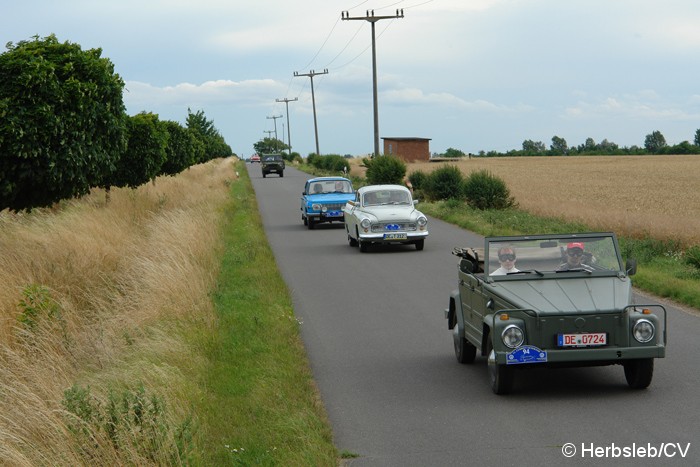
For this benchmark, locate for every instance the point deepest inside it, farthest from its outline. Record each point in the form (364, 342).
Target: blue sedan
(323, 200)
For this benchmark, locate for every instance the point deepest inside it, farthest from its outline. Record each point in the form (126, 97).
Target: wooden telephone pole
(311, 75)
(373, 19)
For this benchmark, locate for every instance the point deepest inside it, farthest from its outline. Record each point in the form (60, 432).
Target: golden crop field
(635, 196)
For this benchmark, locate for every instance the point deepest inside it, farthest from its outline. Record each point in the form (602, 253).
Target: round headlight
(422, 221)
(316, 207)
(513, 336)
(365, 223)
(643, 330)
(324, 208)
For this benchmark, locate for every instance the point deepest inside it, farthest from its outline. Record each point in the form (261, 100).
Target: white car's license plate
(582, 340)
(395, 236)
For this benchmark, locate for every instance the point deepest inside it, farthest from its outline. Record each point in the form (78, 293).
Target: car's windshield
(329, 186)
(387, 197)
(559, 255)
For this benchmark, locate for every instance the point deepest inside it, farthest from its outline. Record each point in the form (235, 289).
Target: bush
(486, 191)
(692, 256)
(385, 170)
(444, 183)
(330, 163)
(418, 180)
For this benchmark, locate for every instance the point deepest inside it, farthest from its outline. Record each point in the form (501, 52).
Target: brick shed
(408, 149)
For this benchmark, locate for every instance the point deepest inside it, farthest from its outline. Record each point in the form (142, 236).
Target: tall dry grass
(117, 278)
(634, 196)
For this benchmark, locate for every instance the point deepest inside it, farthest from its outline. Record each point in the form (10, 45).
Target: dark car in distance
(272, 163)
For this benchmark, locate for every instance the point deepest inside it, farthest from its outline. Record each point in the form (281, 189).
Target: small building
(408, 149)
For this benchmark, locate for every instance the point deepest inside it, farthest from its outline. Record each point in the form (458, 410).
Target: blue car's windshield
(330, 186)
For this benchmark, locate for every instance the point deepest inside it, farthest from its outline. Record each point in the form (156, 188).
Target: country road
(382, 356)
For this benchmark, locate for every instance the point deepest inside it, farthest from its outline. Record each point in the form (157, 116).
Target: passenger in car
(507, 258)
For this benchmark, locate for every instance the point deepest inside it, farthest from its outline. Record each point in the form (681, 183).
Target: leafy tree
(451, 152)
(697, 137)
(182, 150)
(655, 142)
(145, 153)
(589, 145)
(559, 146)
(205, 131)
(270, 146)
(531, 148)
(61, 122)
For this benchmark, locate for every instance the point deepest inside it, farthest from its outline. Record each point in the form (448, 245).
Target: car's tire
(310, 223)
(281, 174)
(352, 241)
(303, 219)
(420, 244)
(364, 246)
(639, 372)
(464, 351)
(500, 376)
(264, 174)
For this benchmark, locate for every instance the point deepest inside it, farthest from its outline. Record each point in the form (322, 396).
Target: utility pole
(289, 134)
(311, 75)
(373, 19)
(274, 118)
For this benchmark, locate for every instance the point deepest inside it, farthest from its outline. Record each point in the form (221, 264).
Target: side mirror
(631, 266)
(351, 202)
(415, 201)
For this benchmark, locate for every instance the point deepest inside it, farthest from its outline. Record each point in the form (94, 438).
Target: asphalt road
(382, 356)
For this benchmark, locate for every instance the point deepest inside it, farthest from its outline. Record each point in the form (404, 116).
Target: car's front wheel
(639, 373)
(500, 376)
(420, 244)
(464, 351)
(310, 223)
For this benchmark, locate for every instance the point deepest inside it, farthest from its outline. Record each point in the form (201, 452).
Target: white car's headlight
(643, 330)
(422, 221)
(365, 223)
(513, 336)
(316, 207)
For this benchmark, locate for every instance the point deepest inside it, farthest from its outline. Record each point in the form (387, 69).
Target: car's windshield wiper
(526, 271)
(576, 270)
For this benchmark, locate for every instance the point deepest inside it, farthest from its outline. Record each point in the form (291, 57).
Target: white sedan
(384, 214)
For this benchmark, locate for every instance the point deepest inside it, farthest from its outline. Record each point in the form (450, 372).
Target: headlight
(422, 221)
(316, 207)
(324, 208)
(643, 331)
(365, 223)
(513, 336)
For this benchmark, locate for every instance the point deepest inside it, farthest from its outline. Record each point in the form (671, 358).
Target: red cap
(575, 245)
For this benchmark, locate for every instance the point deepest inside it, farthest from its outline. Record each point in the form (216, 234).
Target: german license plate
(334, 213)
(582, 340)
(395, 236)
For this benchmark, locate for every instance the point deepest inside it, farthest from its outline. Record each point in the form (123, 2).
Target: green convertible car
(552, 300)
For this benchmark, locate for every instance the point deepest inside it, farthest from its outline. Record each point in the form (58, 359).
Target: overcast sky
(469, 74)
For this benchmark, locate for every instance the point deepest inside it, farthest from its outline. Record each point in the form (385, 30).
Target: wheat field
(634, 196)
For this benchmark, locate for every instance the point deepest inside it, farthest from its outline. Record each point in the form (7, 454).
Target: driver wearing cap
(574, 255)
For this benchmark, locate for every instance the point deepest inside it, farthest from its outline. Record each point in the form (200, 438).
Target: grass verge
(260, 405)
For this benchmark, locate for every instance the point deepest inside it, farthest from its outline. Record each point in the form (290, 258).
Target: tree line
(64, 128)
(654, 143)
